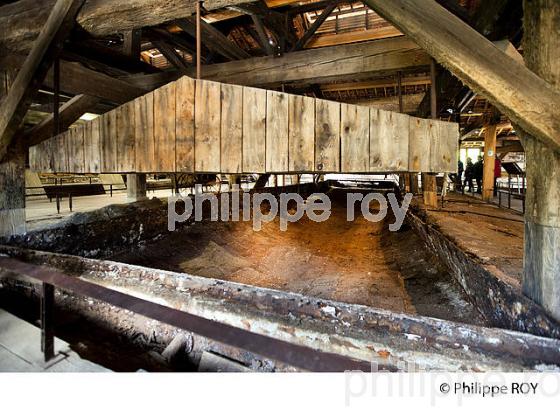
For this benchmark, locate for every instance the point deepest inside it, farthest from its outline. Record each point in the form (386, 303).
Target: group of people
(475, 171)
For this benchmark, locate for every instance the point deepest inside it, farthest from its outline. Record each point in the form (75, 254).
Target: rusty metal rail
(301, 357)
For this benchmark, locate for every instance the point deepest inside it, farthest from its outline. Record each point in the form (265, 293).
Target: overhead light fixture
(88, 116)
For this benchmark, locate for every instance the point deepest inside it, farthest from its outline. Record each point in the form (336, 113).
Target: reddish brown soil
(356, 262)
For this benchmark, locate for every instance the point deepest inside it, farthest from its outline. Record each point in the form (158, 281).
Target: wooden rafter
(514, 89)
(323, 65)
(35, 67)
(313, 28)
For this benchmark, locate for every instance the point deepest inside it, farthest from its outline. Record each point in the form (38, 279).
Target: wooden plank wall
(207, 127)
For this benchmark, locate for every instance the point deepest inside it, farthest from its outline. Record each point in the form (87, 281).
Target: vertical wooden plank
(445, 144)
(108, 137)
(276, 132)
(355, 121)
(75, 147)
(65, 155)
(47, 151)
(419, 146)
(207, 126)
(301, 133)
(231, 129)
(164, 128)
(184, 124)
(327, 136)
(389, 141)
(69, 149)
(254, 130)
(126, 156)
(144, 133)
(35, 158)
(92, 153)
(60, 153)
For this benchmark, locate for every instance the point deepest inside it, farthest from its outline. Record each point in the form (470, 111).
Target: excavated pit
(358, 262)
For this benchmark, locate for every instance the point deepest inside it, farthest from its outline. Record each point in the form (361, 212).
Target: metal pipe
(399, 90)
(433, 94)
(56, 97)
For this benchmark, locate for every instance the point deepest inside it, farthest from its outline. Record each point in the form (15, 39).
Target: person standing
(469, 174)
(497, 174)
(478, 170)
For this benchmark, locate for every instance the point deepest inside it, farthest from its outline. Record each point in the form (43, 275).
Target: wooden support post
(12, 192)
(12, 178)
(132, 43)
(414, 183)
(429, 184)
(261, 182)
(489, 162)
(135, 187)
(47, 319)
(541, 270)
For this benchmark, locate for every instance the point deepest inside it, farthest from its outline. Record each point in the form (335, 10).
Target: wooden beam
(76, 79)
(172, 56)
(20, 21)
(263, 37)
(323, 65)
(316, 24)
(334, 39)
(516, 91)
(213, 38)
(410, 103)
(45, 49)
(131, 43)
(382, 83)
(69, 113)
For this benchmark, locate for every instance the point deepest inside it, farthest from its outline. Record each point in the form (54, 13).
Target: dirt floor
(355, 262)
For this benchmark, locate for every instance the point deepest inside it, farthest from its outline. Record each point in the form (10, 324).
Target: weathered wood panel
(46, 162)
(144, 133)
(254, 130)
(301, 133)
(389, 134)
(231, 129)
(355, 121)
(445, 146)
(184, 124)
(91, 146)
(202, 126)
(75, 149)
(207, 126)
(327, 136)
(126, 155)
(419, 145)
(108, 137)
(35, 157)
(276, 132)
(164, 128)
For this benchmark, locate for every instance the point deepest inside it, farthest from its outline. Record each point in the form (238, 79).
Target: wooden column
(12, 178)
(135, 187)
(12, 192)
(429, 184)
(541, 273)
(489, 162)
